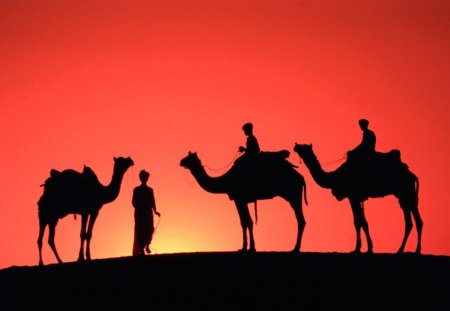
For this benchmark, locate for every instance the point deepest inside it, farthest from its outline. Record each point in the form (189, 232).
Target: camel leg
(301, 223)
(92, 219)
(51, 240)
(408, 228)
(246, 224)
(359, 220)
(84, 220)
(42, 226)
(419, 226)
(365, 227)
(408, 223)
(414, 199)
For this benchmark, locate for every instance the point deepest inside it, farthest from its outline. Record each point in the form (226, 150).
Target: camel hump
(89, 175)
(60, 180)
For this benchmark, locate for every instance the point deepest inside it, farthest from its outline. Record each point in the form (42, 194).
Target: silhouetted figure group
(363, 151)
(366, 174)
(144, 206)
(256, 175)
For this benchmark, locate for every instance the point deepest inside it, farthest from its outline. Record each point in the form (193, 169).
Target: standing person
(144, 205)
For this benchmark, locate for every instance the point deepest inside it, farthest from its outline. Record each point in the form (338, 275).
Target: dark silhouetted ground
(234, 281)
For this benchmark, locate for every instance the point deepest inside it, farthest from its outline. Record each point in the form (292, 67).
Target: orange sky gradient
(84, 81)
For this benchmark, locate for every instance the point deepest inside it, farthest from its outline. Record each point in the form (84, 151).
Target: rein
(341, 159)
(224, 168)
(334, 161)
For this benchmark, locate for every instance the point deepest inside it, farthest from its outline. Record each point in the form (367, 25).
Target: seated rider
(367, 146)
(251, 149)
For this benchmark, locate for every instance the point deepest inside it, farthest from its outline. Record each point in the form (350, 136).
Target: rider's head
(247, 127)
(363, 124)
(144, 175)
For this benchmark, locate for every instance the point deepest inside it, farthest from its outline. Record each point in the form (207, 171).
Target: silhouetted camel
(275, 177)
(71, 192)
(386, 175)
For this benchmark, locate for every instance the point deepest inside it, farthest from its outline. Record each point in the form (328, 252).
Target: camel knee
(419, 225)
(85, 236)
(301, 222)
(250, 225)
(247, 224)
(302, 225)
(408, 225)
(51, 241)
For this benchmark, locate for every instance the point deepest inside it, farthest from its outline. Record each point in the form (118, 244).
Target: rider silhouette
(251, 149)
(367, 146)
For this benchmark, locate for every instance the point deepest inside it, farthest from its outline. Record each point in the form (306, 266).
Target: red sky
(84, 81)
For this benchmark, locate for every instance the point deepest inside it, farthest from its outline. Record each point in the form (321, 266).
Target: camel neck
(321, 177)
(111, 191)
(208, 183)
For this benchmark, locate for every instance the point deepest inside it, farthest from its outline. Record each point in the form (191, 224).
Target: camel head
(190, 161)
(303, 149)
(122, 164)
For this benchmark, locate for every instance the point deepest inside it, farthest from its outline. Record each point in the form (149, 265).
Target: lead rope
(343, 158)
(155, 228)
(224, 168)
(334, 161)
